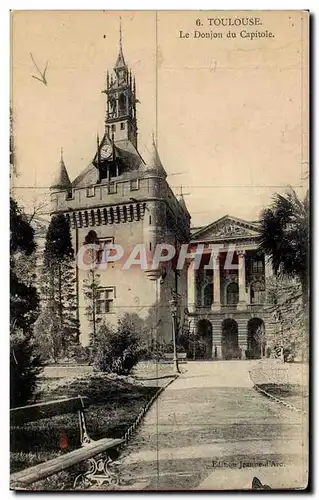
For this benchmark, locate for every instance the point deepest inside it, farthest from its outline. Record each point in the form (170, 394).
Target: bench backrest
(39, 411)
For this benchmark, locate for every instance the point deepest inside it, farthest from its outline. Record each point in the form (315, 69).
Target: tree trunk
(61, 308)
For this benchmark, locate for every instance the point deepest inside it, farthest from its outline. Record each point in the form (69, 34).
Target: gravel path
(211, 430)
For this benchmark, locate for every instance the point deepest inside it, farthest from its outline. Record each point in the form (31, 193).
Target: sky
(230, 114)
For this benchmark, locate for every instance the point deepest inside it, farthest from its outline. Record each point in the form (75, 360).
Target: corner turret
(153, 162)
(61, 181)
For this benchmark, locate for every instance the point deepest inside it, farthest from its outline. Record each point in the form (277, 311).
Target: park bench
(181, 356)
(100, 470)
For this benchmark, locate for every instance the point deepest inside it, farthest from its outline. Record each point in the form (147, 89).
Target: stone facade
(226, 291)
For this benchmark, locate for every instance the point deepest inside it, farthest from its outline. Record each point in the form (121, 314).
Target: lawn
(115, 404)
(286, 381)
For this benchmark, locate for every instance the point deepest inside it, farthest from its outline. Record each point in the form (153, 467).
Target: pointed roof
(153, 161)
(61, 180)
(182, 203)
(120, 61)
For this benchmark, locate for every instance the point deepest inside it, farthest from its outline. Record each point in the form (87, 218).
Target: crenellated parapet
(126, 212)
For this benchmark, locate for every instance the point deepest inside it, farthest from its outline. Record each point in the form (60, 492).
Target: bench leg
(102, 472)
(84, 436)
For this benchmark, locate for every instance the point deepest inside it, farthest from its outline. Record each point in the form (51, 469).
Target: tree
(91, 285)
(285, 302)
(284, 237)
(58, 284)
(48, 335)
(24, 308)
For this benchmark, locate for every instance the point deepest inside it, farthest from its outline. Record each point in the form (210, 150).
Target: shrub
(118, 350)
(170, 348)
(192, 345)
(79, 354)
(289, 354)
(24, 369)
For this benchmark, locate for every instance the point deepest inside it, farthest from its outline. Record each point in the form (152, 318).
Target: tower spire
(120, 33)
(120, 62)
(121, 100)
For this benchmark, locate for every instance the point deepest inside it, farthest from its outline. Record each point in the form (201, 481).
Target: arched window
(208, 295)
(112, 108)
(232, 293)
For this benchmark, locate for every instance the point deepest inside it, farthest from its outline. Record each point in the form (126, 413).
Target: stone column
(191, 288)
(216, 299)
(242, 304)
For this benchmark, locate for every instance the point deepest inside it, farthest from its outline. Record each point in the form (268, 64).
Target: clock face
(106, 152)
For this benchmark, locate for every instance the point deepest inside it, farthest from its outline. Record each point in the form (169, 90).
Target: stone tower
(120, 90)
(123, 199)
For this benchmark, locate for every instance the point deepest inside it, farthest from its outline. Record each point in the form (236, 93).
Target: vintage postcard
(159, 216)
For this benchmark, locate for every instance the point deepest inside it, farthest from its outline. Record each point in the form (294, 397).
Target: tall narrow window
(208, 295)
(105, 300)
(134, 184)
(232, 294)
(122, 105)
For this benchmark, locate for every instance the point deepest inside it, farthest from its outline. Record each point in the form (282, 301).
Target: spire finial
(120, 32)
(61, 154)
